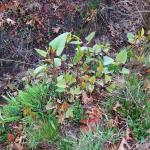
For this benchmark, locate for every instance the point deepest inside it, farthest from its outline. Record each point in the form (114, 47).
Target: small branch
(20, 62)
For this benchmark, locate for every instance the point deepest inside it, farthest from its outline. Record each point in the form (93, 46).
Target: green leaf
(78, 56)
(69, 78)
(61, 84)
(58, 44)
(52, 124)
(92, 79)
(64, 57)
(60, 77)
(107, 78)
(131, 38)
(142, 32)
(97, 48)
(90, 37)
(60, 90)
(69, 113)
(111, 88)
(40, 69)
(41, 52)
(125, 71)
(75, 91)
(10, 119)
(90, 88)
(76, 42)
(100, 67)
(57, 62)
(107, 60)
(122, 57)
(106, 47)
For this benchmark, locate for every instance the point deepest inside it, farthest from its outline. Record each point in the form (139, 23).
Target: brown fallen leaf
(128, 135)
(124, 145)
(56, 29)
(147, 85)
(17, 146)
(112, 123)
(1, 20)
(61, 118)
(10, 21)
(64, 106)
(86, 99)
(94, 117)
(118, 105)
(29, 22)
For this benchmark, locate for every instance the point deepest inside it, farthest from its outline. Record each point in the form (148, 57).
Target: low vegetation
(81, 91)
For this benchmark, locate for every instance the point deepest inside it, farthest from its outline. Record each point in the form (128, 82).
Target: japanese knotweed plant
(90, 69)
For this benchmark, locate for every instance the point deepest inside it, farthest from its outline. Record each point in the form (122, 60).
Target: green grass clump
(29, 107)
(135, 107)
(78, 112)
(95, 140)
(95, 4)
(42, 130)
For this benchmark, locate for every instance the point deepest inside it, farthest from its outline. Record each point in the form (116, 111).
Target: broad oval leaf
(107, 60)
(57, 62)
(131, 38)
(61, 84)
(64, 57)
(125, 71)
(122, 57)
(58, 44)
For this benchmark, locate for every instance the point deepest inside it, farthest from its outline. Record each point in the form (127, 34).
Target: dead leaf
(147, 85)
(148, 71)
(148, 131)
(56, 29)
(50, 106)
(94, 117)
(61, 118)
(30, 22)
(64, 106)
(10, 21)
(1, 20)
(86, 99)
(124, 145)
(17, 146)
(118, 105)
(128, 135)
(111, 123)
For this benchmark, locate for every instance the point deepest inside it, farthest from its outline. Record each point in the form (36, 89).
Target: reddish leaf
(84, 121)
(10, 137)
(85, 129)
